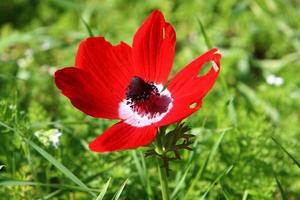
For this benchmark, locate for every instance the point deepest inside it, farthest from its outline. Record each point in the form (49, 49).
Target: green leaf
(118, 194)
(103, 192)
(225, 172)
(58, 165)
(88, 28)
(206, 39)
(285, 151)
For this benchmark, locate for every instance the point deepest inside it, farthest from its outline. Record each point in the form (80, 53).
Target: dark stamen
(144, 98)
(139, 90)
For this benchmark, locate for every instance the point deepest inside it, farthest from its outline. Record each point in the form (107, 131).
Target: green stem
(163, 182)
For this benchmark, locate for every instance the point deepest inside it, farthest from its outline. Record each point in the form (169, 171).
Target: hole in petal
(193, 105)
(206, 68)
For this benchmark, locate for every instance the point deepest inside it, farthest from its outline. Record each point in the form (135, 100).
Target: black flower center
(144, 98)
(139, 90)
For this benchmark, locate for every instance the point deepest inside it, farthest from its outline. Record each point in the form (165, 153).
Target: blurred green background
(257, 97)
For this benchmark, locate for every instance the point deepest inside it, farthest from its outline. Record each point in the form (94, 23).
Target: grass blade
(2, 166)
(74, 5)
(204, 165)
(232, 111)
(104, 190)
(284, 150)
(58, 165)
(6, 126)
(31, 183)
(224, 193)
(181, 182)
(206, 40)
(139, 168)
(225, 172)
(245, 195)
(88, 28)
(118, 194)
(86, 180)
(283, 194)
(140, 164)
(51, 195)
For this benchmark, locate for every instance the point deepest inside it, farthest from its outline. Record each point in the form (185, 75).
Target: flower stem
(163, 182)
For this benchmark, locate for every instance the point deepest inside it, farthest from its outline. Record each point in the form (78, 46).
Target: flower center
(145, 99)
(139, 90)
(145, 103)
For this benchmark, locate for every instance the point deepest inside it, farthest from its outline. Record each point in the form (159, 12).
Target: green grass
(246, 133)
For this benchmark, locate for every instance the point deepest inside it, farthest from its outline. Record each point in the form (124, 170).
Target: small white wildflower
(55, 137)
(48, 137)
(274, 80)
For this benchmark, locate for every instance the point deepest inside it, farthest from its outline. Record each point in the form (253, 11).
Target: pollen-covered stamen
(145, 99)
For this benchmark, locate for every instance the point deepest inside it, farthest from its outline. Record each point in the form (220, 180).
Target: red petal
(85, 94)
(153, 48)
(188, 89)
(110, 65)
(99, 81)
(122, 136)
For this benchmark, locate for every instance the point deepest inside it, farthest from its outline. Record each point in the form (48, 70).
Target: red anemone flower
(127, 83)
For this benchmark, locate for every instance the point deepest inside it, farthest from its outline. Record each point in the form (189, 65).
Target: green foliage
(234, 155)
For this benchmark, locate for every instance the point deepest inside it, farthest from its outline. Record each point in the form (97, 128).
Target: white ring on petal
(135, 119)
